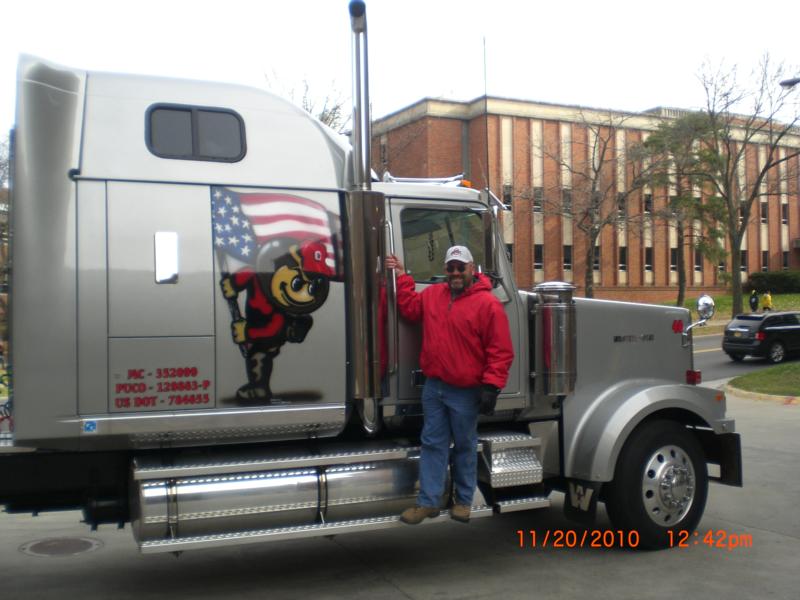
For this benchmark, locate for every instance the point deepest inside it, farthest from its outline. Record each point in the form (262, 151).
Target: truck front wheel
(660, 484)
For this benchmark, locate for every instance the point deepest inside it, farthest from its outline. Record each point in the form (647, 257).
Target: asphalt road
(450, 560)
(715, 364)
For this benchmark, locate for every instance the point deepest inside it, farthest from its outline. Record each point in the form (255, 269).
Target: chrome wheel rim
(668, 485)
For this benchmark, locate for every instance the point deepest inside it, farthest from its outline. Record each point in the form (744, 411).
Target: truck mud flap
(580, 503)
(725, 450)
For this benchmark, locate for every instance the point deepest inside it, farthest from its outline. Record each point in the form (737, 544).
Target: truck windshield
(428, 233)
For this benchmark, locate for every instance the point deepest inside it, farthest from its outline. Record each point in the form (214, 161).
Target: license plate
(737, 334)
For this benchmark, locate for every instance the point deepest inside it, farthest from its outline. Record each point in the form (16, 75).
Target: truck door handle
(166, 254)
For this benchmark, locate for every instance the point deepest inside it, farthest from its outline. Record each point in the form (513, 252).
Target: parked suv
(771, 335)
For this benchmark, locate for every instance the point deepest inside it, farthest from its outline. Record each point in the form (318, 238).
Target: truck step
(510, 459)
(152, 468)
(506, 440)
(293, 533)
(507, 506)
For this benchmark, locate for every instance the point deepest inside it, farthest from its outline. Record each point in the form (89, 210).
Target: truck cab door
(421, 232)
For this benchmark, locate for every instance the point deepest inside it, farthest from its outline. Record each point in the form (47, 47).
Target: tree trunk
(588, 272)
(736, 273)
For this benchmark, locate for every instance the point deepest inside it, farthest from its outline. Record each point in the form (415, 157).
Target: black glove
(489, 395)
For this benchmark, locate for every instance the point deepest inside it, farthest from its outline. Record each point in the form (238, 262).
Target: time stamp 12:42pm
(618, 538)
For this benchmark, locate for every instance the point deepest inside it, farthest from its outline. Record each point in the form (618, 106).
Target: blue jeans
(450, 413)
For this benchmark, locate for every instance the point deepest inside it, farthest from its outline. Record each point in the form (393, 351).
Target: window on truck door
(428, 233)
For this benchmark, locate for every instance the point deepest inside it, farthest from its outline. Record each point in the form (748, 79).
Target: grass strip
(780, 380)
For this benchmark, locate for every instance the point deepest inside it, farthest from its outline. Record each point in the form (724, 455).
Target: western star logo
(580, 497)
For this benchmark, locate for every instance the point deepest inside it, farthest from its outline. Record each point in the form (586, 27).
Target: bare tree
(594, 201)
(742, 118)
(330, 107)
(4, 176)
(4, 163)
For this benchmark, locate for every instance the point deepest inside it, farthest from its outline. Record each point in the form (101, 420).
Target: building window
(743, 260)
(764, 212)
(673, 259)
(538, 199)
(194, 133)
(785, 213)
(765, 260)
(648, 259)
(538, 256)
(507, 197)
(384, 151)
(722, 266)
(648, 203)
(785, 262)
(566, 200)
(623, 258)
(596, 261)
(567, 258)
(621, 208)
(698, 260)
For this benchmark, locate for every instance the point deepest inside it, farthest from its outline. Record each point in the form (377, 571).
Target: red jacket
(466, 341)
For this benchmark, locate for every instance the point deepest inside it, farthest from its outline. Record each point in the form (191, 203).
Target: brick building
(534, 156)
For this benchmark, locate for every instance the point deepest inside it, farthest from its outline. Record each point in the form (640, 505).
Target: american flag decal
(243, 222)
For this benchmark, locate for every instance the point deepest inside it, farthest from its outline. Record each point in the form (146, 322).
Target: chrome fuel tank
(194, 506)
(235, 493)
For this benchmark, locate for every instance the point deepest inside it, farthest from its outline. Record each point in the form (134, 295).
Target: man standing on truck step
(466, 354)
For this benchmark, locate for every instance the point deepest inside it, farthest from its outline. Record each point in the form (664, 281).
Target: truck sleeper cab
(210, 368)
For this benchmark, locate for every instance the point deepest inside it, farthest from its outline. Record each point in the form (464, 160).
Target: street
(715, 364)
(450, 560)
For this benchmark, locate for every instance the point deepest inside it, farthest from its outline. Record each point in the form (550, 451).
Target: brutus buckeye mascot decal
(278, 250)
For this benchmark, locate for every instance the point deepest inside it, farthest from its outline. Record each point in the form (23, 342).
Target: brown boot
(417, 514)
(460, 512)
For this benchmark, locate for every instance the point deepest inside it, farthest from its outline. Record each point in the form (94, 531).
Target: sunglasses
(460, 267)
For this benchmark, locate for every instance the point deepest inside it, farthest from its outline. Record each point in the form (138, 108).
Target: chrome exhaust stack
(362, 130)
(366, 222)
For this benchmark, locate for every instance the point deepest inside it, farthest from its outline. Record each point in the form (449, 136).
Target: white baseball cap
(459, 253)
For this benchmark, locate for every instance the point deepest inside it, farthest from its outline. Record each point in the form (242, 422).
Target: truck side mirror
(705, 310)
(705, 307)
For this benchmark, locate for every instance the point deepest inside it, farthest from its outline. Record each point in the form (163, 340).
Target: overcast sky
(619, 54)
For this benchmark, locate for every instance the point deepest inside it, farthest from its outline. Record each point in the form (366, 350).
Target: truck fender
(591, 453)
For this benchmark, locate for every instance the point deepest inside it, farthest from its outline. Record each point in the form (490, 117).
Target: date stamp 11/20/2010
(618, 538)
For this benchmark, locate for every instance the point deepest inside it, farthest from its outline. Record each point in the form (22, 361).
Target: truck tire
(660, 484)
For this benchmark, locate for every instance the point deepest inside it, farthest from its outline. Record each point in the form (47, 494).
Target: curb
(785, 400)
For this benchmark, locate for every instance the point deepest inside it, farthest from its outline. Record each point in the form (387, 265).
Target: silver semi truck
(205, 344)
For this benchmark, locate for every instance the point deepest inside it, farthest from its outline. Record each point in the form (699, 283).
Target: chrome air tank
(556, 338)
(370, 489)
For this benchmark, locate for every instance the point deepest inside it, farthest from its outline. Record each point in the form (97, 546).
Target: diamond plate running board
(293, 533)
